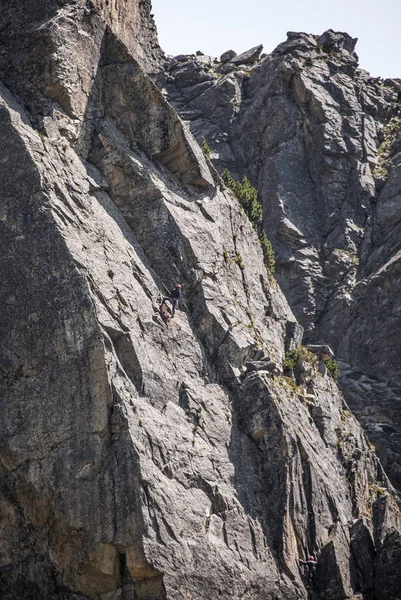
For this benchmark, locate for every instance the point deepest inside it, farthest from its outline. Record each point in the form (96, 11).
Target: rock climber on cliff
(309, 568)
(173, 298)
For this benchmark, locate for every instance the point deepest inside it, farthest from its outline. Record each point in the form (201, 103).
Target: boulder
(262, 365)
(337, 40)
(227, 56)
(295, 43)
(182, 58)
(226, 68)
(321, 350)
(206, 60)
(249, 57)
(392, 83)
(190, 74)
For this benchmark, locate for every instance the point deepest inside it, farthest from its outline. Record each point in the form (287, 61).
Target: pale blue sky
(214, 26)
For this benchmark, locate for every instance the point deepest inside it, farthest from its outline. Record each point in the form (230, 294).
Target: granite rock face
(141, 461)
(27, 25)
(320, 139)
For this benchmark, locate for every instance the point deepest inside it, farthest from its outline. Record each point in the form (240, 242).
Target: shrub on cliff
(205, 148)
(247, 195)
(332, 367)
(268, 253)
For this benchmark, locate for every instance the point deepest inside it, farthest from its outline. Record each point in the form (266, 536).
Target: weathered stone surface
(388, 579)
(152, 125)
(336, 569)
(141, 461)
(54, 459)
(335, 40)
(323, 351)
(262, 365)
(388, 542)
(131, 21)
(248, 57)
(226, 68)
(363, 551)
(227, 56)
(190, 73)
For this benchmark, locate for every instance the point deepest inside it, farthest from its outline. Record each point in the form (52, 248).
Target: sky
(214, 26)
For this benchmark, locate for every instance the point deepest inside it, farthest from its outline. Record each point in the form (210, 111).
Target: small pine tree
(255, 213)
(228, 180)
(268, 253)
(205, 148)
(244, 191)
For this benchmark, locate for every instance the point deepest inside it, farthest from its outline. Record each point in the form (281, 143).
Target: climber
(310, 568)
(173, 298)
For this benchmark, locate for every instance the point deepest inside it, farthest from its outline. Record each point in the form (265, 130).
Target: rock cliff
(320, 139)
(139, 460)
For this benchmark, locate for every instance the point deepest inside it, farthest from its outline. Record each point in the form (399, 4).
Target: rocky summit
(210, 455)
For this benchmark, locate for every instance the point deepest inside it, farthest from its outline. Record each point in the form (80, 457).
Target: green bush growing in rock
(239, 260)
(299, 354)
(268, 253)
(332, 367)
(289, 384)
(205, 148)
(247, 195)
(228, 180)
(291, 359)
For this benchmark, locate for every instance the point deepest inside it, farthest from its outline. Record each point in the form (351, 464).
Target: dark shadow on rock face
(260, 464)
(67, 417)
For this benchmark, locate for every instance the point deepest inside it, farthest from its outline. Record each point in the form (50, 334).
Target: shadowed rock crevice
(127, 357)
